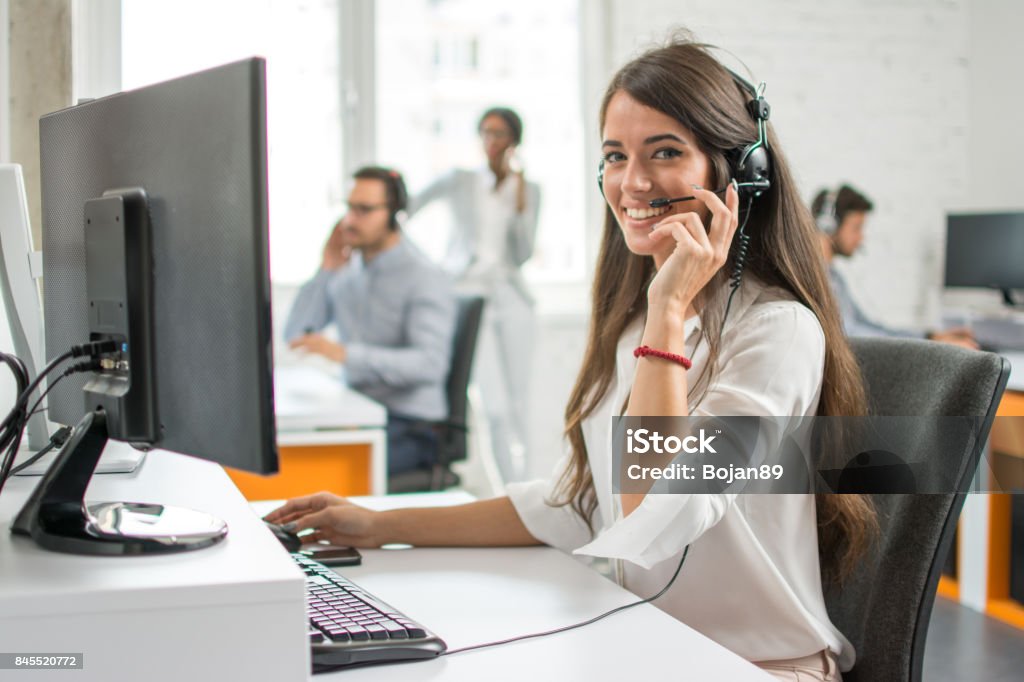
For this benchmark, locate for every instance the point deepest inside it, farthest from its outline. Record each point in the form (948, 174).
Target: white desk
(308, 399)
(233, 611)
(314, 408)
(470, 596)
(1016, 358)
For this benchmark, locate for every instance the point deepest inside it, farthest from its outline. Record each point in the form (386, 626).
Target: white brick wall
(996, 104)
(873, 93)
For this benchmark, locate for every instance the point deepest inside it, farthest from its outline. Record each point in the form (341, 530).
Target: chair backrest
(885, 606)
(467, 328)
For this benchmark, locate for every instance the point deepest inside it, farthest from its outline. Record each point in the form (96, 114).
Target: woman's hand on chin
(698, 253)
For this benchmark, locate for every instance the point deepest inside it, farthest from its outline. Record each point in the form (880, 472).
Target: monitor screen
(194, 150)
(985, 250)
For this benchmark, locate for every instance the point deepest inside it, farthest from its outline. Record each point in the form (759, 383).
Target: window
(441, 63)
(425, 74)
(162, 39)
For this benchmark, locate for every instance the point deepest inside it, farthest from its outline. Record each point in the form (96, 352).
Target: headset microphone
(658, 203)
(754, 187)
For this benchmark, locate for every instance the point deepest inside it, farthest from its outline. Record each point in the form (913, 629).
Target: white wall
(873, 93)
(995, 145)
(995, 133)
(5, 78)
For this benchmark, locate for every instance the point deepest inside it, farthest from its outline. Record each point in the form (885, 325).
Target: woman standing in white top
(494, 211)
(674, 121)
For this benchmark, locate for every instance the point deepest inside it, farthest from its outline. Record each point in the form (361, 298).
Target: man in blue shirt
(395, 314)
(840, 215)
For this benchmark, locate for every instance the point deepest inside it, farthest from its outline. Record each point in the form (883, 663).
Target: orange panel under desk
(1006, 436)
(306, 469)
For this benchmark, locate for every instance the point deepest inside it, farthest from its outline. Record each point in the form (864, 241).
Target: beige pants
(819, 667)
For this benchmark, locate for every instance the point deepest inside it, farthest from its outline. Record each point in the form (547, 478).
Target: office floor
(966, 645)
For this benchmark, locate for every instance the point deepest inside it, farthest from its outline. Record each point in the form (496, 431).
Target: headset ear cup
(401, 197)
(827, 220)
(752, 171)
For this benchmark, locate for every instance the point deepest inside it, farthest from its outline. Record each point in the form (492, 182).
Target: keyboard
(348, 625)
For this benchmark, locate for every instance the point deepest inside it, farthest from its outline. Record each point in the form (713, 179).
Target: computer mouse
(288, 538)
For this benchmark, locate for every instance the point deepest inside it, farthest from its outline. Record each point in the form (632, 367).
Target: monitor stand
(1009, 300)
(58, 519)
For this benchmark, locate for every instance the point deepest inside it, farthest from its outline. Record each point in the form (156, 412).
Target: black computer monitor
(155, 238)
(986, 250)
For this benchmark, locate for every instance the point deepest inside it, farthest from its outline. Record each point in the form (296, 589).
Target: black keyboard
(347, 625)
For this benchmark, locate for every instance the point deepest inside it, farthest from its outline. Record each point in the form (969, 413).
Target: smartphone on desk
(329, 555)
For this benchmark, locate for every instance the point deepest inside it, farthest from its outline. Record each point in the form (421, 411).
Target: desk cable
(13, 425)
(581, 624)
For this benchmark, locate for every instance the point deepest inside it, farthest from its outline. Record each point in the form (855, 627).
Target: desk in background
(330, 438)
(1016, 381)
(985, 531)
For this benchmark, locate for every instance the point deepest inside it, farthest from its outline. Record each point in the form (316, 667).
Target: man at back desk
(840, 215)
(395, 314)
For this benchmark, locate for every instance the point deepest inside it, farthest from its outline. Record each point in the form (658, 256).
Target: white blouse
(495, 211)
(751, 580)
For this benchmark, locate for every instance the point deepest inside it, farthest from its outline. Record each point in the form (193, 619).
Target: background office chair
(885, 606)
(453, 431)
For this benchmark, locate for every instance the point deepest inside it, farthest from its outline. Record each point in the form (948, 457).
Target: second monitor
(986, 250)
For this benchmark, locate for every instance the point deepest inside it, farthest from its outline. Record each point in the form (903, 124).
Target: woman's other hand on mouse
(331, 518)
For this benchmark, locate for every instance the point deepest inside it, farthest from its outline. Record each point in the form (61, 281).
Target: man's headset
(827, 219)
(750, 165)
(398, 197)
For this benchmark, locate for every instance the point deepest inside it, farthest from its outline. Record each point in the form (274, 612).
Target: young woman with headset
(726, 290)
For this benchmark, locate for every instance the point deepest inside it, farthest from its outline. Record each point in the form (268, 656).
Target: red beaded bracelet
(644, 351)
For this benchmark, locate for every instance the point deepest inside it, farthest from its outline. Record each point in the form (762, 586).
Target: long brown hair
(684, 81)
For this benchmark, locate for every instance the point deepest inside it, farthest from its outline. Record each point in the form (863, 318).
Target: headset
(827, 218)
(398, 197)
(750, 165)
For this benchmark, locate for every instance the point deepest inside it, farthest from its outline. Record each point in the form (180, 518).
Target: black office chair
(452, 433)
(885, 606)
